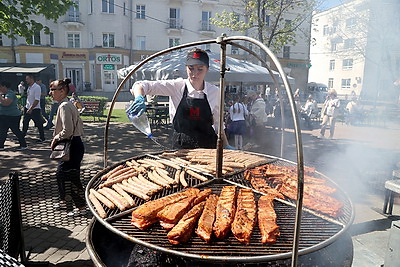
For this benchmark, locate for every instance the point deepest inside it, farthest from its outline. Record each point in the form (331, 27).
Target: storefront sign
(108, 67)
(108, 59)
(72, 55)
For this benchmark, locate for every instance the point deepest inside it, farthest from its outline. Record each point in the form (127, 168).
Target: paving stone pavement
(359, 159)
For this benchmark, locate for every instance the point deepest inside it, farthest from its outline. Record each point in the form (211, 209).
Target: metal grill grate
(317, 231)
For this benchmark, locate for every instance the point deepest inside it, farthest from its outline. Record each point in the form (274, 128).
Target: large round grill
(317, 230)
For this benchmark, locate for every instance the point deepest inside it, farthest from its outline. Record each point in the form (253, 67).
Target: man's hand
(137, 107)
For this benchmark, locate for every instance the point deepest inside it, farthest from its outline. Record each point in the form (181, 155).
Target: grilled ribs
(267, 220)
(206, 221)
(146, 214)
(172, 213)
(185, 227)
(225, 211)
(245, 216)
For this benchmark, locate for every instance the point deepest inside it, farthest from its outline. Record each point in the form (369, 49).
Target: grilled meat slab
(267, 220)
(206, 221)
(172, 213)
(146, 214)
(245, 216)
(185, 227)
(225, 211)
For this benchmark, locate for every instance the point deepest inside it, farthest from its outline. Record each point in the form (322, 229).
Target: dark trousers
(10, 122)
(36, 116)
(68, 175)
(53, 111)
(43, 107)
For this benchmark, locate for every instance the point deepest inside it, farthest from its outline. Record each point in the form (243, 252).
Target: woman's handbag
(62, 150)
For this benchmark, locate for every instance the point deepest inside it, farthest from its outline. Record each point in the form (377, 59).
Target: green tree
(17, 16)
(275, 23)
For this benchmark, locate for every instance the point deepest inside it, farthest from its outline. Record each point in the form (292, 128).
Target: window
(288, 23)
(346, 83)
(236, 17)
(351, 22)
(140, 11)
(349, 43)
(331, 64)
(73, 12)
(51, 39)
(73, 40)
(330, 83)
(267, 20)
(347, 64)
(286, 52)
(141, 43)
(174, 42)
(108, 40)
(36, 38)
(326, 30)
(107, 6)
(205, 21)
(333, 46)
(174, 18)
(234, 50)
(1, 40)
(124, 9)
(90, 11)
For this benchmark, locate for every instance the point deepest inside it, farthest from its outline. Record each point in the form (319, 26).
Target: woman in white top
(329, 113)
(238, 113)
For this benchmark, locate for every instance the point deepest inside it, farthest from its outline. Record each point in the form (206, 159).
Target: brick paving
(359, 159)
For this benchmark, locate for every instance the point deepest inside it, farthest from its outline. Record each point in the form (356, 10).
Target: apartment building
(356, 48)
(97, 37)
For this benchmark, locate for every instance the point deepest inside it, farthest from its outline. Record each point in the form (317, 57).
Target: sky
(326, 4)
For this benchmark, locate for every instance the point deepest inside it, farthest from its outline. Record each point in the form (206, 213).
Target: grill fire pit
(307, 236)
(318, 231)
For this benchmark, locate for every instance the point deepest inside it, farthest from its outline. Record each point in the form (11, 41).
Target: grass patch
(118, 115)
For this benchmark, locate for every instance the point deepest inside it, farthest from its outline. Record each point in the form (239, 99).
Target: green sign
(108, 67)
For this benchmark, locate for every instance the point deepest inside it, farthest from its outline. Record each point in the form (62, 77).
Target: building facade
(97, 37)
(357, 50)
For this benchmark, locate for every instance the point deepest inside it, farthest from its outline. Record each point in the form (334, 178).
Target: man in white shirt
(32, 108)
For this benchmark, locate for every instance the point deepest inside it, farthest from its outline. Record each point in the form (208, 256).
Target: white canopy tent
(173, 65)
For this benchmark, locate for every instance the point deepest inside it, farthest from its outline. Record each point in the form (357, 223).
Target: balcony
(206, 28)
(72, 20)
(174, 26)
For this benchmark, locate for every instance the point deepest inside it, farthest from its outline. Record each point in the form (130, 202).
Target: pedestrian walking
(238, 113)
(329, 113)
(68, 126)
(10, 116)
(32, 108)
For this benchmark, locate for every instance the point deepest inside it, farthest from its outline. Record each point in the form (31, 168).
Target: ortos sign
(108, 58)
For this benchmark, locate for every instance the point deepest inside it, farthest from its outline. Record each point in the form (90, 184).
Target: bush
(102, 100)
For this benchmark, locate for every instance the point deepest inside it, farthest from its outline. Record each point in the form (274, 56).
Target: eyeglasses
(54, 89)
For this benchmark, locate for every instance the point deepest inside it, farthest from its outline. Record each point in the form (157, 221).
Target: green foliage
(284, 20)
(102, 100)
(15, 16)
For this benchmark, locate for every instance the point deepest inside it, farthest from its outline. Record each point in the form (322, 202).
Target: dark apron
(193, 124)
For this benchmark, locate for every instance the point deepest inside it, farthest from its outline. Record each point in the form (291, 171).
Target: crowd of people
(67, 126)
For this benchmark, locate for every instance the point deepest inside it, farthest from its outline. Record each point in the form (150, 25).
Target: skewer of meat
(267, 220)
(245, 216)
(185, 227)
(225, 211)
(207, 218)
(146, 214)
